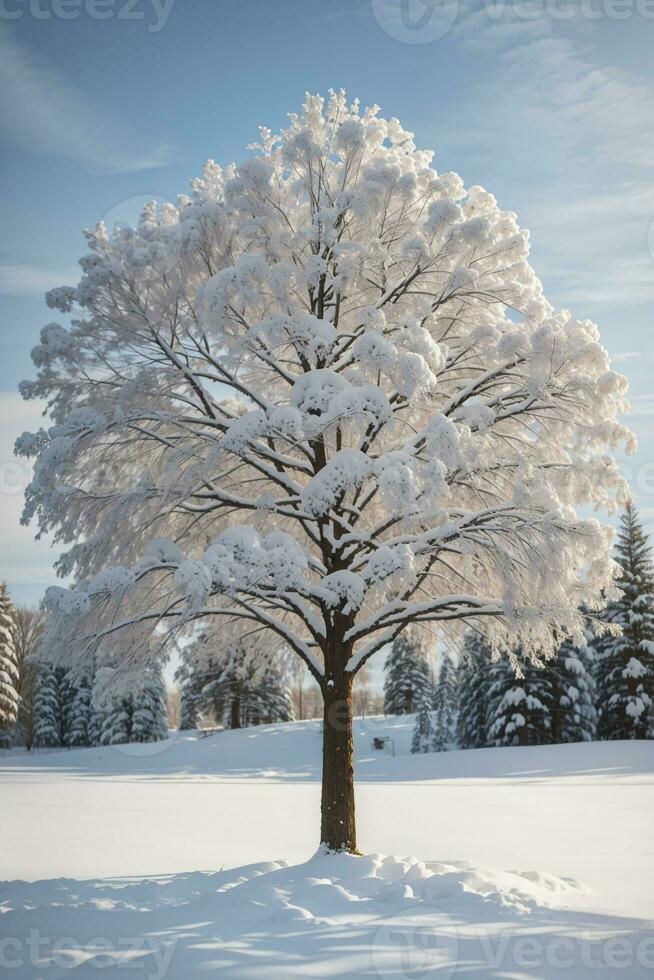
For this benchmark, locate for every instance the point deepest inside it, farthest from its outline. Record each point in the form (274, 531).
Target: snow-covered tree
(472, 681)
(625, 663)
(9, 684)
(275, 703)
(149, 717)
(190, 687)
(79, 728)
(130, 712)
(47, 707)
(408, 677)
(520, 703)
(235, 676)
(423, 729)
(115, 717)
(570, 674)
(444, 705)
(28, 627)
(330, 384)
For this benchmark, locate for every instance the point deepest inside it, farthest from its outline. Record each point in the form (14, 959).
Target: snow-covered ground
(158, 859)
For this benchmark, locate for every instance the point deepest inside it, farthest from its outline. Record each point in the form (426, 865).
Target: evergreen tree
(409, 679)
(423, 729)
(625, 663)
(274, 699)
(149, 717)
(473, 677)
(79, 723)
(235, 679)
(9, 699)
(231, 692)
(116, 720)
(574, 717)
(134, 714)
(54, 705)
(444, 706)
(47, 708)
(186, 676)
(519, 707)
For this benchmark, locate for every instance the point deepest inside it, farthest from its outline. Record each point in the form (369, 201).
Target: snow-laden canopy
(324, 393)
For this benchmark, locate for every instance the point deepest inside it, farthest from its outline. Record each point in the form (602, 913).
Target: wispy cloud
(632, 355)
(41, 113)
(30, 280)
(549, 107)
(604, 108)
(641, 405)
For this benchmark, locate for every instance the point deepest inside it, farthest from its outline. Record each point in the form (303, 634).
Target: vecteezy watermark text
(155, 12)
(150, 958)
(425, 21)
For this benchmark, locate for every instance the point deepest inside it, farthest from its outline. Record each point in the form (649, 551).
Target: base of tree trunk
(338, 830)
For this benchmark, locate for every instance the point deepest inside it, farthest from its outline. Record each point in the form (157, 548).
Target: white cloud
(641, 404)
(604, 108)
(632, 355)
(566, 141)
(31, 280)
(41, 113)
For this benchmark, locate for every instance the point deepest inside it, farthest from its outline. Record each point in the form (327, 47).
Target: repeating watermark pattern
(416, 21)
(146, 211)
(565, 952)
(428, 944)
(15, 476)
(153, 14)
(414, 949)
(426, 21)
(150, 957)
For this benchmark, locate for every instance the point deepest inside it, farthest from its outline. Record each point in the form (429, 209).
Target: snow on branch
(325, 392)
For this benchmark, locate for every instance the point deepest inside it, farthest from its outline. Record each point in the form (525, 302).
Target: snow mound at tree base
(356, 916)
(326, 884)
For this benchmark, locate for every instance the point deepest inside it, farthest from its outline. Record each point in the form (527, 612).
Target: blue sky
(553, 113)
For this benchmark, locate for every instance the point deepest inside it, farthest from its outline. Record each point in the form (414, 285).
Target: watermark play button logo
(417, 944)
(415, 21)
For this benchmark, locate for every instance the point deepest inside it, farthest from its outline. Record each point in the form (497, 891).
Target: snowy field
(196, 857)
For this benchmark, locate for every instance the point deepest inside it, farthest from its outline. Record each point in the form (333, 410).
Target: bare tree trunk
(338, 829)
(235, 712)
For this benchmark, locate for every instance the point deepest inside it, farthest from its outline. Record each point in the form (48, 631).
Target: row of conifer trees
(601, 689)
(43, 705)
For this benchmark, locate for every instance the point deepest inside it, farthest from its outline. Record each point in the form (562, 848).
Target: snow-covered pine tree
(423, 728)
(472, 681)
(625, 663)
(116, 718)
(96, 715)
(444, 720)
(229, 691)
(408, 679)
(519, 707)
(55, 704)
(238, 678)
(149, 716)
(274, 699)
(9, 682)
(190, 687)
(346, 405)
(79, 728)
(570, 674)
(47, 720)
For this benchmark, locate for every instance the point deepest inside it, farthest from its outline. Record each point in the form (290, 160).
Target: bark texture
(338, 830)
